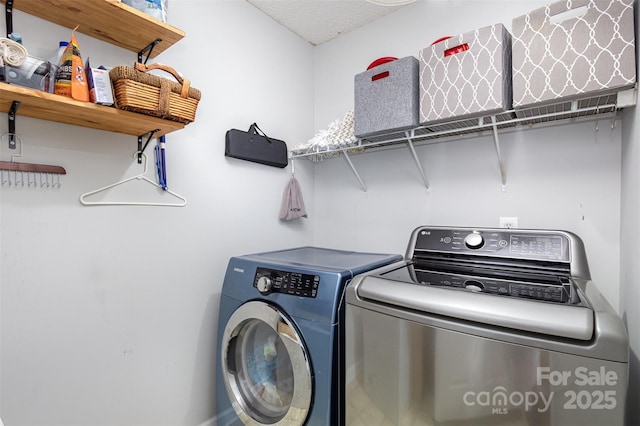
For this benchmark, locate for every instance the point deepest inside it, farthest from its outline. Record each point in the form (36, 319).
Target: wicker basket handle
(157, 66)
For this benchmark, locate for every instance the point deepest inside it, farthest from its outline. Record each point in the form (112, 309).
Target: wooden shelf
(51, 107)
(107, 20)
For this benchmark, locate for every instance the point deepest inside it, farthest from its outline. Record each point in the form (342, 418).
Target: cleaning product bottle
(55, 63)
(55, 59)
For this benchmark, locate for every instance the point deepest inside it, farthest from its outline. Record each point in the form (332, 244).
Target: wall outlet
(508, 222)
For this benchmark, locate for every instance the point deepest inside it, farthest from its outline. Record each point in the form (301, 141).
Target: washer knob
(474, 286)
(264, 284)
(474, 240)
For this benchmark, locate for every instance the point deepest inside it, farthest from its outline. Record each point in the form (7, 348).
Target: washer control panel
(505, 243)
(560, 291)
(269, 281)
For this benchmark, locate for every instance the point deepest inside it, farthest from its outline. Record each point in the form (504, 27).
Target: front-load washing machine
(281, 336)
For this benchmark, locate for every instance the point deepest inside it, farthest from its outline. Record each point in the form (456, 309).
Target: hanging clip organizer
(13, 173)
(31, 175)
(181, 203)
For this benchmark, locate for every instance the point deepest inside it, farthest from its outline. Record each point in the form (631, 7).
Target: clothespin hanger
(13, 172)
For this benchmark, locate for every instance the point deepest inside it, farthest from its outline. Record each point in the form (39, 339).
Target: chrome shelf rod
(353, 169)
(409, 135)
(496, 141)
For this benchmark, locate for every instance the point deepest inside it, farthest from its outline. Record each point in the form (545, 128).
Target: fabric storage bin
(466, 76)
(386, 97)
(571, 49)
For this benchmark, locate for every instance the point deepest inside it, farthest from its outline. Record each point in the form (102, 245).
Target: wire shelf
(591, 108)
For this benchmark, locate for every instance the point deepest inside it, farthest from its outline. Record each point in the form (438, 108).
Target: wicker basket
(149, 94)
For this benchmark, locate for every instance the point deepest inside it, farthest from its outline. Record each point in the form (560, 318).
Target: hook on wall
(141, 148)
(12, 124)
(8, 15)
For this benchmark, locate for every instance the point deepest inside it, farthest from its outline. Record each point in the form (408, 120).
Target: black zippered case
(255, 146)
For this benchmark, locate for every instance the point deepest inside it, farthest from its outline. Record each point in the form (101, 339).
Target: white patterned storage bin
(465, 76)
(573, 49)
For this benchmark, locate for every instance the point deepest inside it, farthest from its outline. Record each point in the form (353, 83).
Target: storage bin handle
(380, 76)
(456, 49)
(157, 66)
(568, 14)
(452, 50)
(441, 39)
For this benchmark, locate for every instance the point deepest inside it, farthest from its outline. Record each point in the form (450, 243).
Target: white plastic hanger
(141, 176)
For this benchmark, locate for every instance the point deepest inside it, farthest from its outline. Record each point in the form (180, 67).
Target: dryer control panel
(269, 281)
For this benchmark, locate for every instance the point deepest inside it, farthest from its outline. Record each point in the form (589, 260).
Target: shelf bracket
(613, 119)
(415, 158)
(12, 124)
(353, 169)
(147, 51)
(8, 14)
(141, 148)
(496, 141)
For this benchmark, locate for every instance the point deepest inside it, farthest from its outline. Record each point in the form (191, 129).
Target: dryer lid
(325, 259)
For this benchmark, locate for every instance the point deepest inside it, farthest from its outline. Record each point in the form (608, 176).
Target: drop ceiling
(318, 21)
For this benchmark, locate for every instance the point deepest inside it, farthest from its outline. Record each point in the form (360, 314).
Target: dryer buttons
(269, 281)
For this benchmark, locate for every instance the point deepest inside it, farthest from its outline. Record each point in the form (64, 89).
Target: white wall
(109, 314)
(565, 177)
(630, 253)
(630, 246)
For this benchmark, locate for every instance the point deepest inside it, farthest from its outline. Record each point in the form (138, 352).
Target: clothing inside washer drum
(269, 369)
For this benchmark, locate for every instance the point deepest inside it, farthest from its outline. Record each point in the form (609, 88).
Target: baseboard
(210, 422)
(354, 371)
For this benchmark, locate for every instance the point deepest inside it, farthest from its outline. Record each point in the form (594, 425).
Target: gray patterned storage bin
(386, 97)
(571, 49)
(466, 76)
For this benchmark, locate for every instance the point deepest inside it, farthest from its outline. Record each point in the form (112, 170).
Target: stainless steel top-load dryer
(484, 327)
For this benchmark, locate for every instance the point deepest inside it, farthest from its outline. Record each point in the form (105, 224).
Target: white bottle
(55, 62)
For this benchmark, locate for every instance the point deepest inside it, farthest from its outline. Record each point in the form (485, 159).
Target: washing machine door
(265, 367)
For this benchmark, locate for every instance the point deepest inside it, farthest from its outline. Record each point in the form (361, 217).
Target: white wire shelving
(594, 108)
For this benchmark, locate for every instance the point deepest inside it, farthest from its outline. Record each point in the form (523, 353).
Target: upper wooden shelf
(51, 107)
(107, 20)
